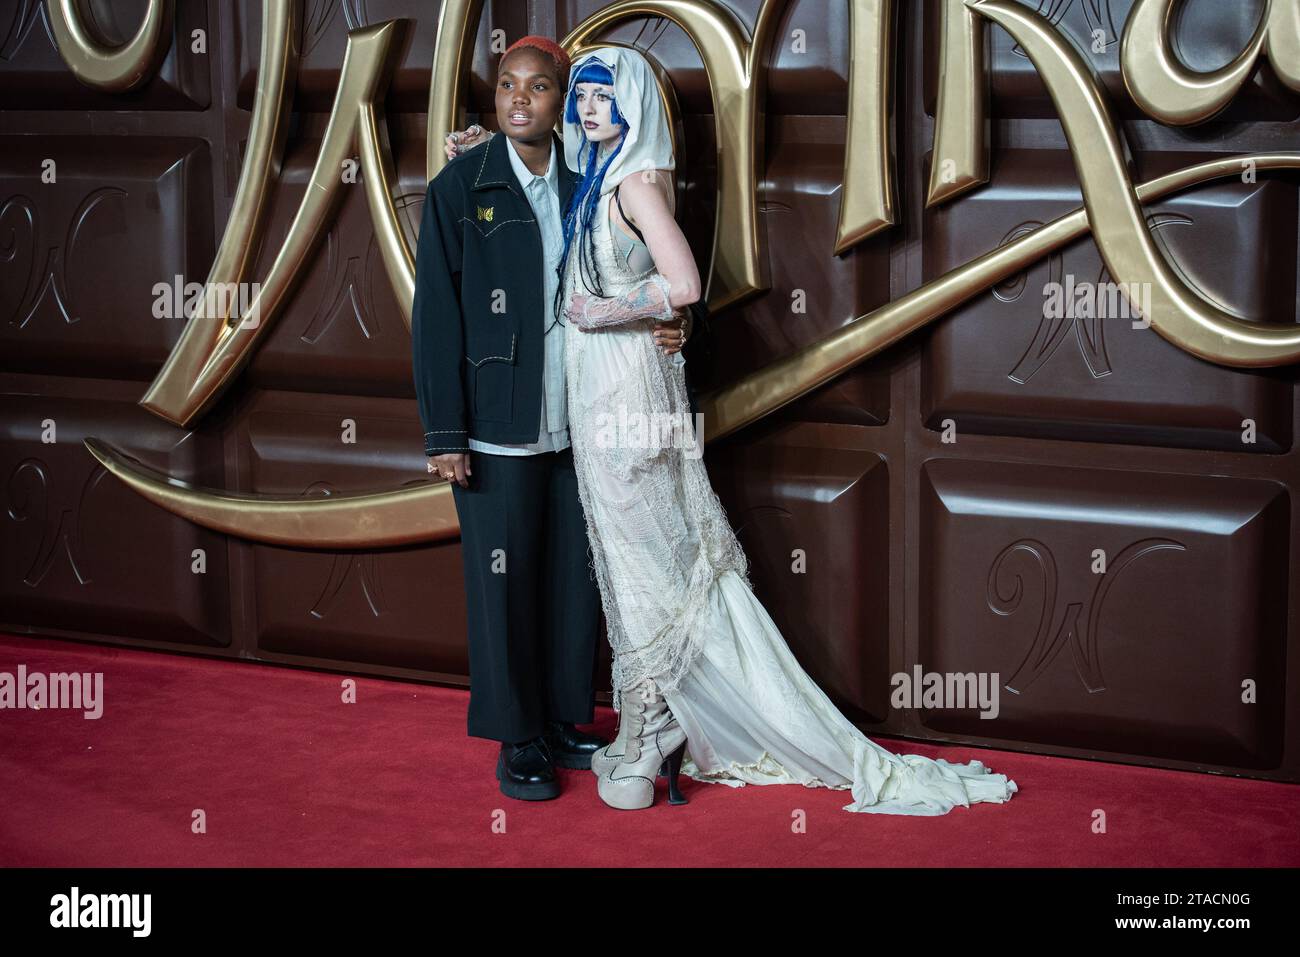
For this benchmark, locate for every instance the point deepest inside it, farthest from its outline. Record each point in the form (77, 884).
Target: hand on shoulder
(459, 142)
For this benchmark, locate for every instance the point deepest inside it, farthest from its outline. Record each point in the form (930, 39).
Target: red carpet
(288, 775)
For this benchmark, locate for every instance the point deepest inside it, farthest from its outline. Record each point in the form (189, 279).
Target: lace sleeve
(648, 299)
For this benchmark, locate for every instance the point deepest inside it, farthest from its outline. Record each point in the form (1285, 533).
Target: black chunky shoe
(570, 747)
(526, 771)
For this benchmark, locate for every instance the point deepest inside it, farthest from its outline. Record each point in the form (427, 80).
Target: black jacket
(479, 315)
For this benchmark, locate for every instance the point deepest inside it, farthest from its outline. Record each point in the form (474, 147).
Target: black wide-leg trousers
(532, 598)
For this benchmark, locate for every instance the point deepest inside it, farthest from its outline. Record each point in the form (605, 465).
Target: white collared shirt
(543, 194)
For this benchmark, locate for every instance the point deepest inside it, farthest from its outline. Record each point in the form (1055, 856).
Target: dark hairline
(545, 76)
(501, 71)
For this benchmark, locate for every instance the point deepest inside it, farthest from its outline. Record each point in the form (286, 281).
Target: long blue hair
(586, 192)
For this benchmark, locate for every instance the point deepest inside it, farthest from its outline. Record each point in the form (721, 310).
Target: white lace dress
(677, 599)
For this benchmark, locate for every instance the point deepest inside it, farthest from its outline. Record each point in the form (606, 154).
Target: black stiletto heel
(672, 764)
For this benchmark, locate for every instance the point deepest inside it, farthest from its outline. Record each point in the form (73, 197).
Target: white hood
(648, 142)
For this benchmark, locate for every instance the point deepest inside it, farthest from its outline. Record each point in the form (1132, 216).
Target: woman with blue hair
(703, 680)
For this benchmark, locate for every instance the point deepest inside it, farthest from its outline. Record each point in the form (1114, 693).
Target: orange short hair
(551, 49)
